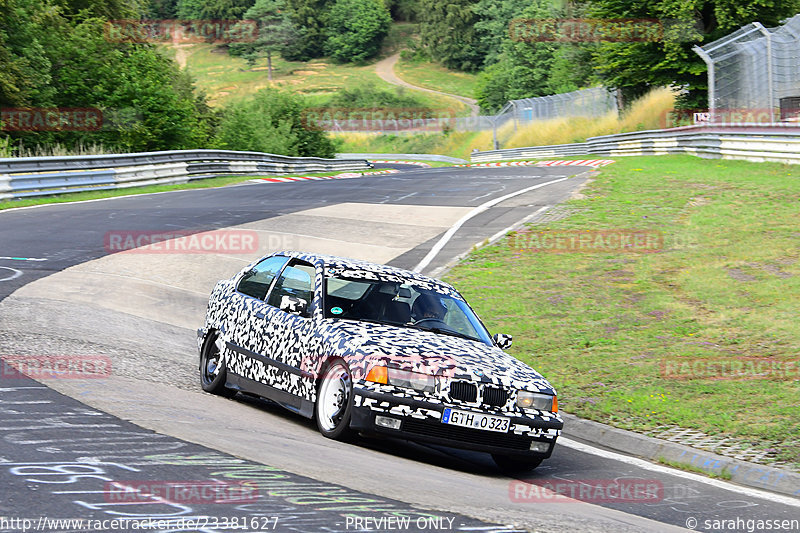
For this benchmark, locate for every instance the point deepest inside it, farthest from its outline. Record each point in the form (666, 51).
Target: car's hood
(433, 353)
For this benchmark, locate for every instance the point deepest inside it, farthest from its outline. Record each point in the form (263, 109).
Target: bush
(369, 96)
(272, 121)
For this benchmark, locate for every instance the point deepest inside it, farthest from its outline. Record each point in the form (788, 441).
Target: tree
(447, 31)
(492, 25)
(276, 32)
(137, 79)
(310, 18)
(213, 9)
(25, 26)
(106, 9)
(404, 10)
(523, 70)
(162, 9)
(48, 60)
(356, 29)
(634, 67)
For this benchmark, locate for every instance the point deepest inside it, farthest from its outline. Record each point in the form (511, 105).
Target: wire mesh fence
(754, 74)
(593, 102)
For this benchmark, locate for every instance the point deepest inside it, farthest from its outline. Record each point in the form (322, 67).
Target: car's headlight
(402, 378)
(537, 400)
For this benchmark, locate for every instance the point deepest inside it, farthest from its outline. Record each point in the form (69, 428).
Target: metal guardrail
(40, 176)
(751, 142)
(403, 157)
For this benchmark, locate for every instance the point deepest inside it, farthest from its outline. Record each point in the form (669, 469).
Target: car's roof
(356, 268)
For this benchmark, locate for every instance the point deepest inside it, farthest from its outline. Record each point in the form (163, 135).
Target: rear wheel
(212, 369)
(335, 401)
(515, 465)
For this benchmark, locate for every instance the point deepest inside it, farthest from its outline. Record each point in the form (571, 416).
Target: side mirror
(502, 341)
(293, 304)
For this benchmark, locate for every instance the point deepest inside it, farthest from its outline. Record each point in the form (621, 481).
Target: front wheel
(515, 465)
(335, 401)
(212, 369)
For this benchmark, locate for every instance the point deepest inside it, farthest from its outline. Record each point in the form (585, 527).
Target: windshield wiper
(441, 331)
(450, 332)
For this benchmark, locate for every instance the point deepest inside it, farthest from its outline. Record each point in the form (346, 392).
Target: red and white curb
(344, 175)
(423, 165)
(562, 162)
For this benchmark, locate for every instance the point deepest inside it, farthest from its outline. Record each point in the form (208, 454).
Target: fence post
(711, 96)
(770, 89)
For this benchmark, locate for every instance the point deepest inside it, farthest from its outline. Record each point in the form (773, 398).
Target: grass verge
(114, 193)
(688, 467)
(454, 144)
(724, 287)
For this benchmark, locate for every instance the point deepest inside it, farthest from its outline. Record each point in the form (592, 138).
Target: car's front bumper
(422, 421)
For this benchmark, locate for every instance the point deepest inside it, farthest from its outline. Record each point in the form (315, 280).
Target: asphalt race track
(64, 444)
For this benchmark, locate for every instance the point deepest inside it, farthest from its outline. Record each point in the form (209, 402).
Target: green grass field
(225, 78)
(434, 76)
(724, 287)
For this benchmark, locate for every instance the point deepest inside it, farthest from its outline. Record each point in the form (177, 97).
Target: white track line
(480, 209)
(14, 273)
(647, 465)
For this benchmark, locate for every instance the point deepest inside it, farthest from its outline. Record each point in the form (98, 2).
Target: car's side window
(256, 282)
(296, 280)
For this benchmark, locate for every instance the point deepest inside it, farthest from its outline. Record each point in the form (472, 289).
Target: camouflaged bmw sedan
(372, 349)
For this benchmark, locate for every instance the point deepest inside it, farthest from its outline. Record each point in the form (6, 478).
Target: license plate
(476, 420)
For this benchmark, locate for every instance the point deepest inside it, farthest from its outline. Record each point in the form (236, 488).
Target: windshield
(402, 304)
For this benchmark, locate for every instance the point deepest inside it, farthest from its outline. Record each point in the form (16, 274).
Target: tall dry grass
(647, 113)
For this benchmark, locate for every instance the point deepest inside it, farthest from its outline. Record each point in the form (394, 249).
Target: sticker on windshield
(336, 310)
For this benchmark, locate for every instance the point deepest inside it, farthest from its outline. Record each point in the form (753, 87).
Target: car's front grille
(495, 396)
(473, 436)
(464, 391)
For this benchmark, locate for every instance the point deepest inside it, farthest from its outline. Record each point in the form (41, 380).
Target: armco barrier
(39, 176)
(752, 142)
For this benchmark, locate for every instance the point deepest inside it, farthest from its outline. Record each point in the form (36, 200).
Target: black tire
(212, 373)
(335, 401)
(515, 465)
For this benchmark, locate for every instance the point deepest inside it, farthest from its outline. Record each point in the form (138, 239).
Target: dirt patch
(771, 269)
(305, 72)
(577, 194)
(740, 275)
(698, 201)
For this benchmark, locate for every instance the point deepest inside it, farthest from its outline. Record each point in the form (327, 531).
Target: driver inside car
(429, 309)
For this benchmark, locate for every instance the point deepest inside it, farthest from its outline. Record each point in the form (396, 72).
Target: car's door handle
(259, 314)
